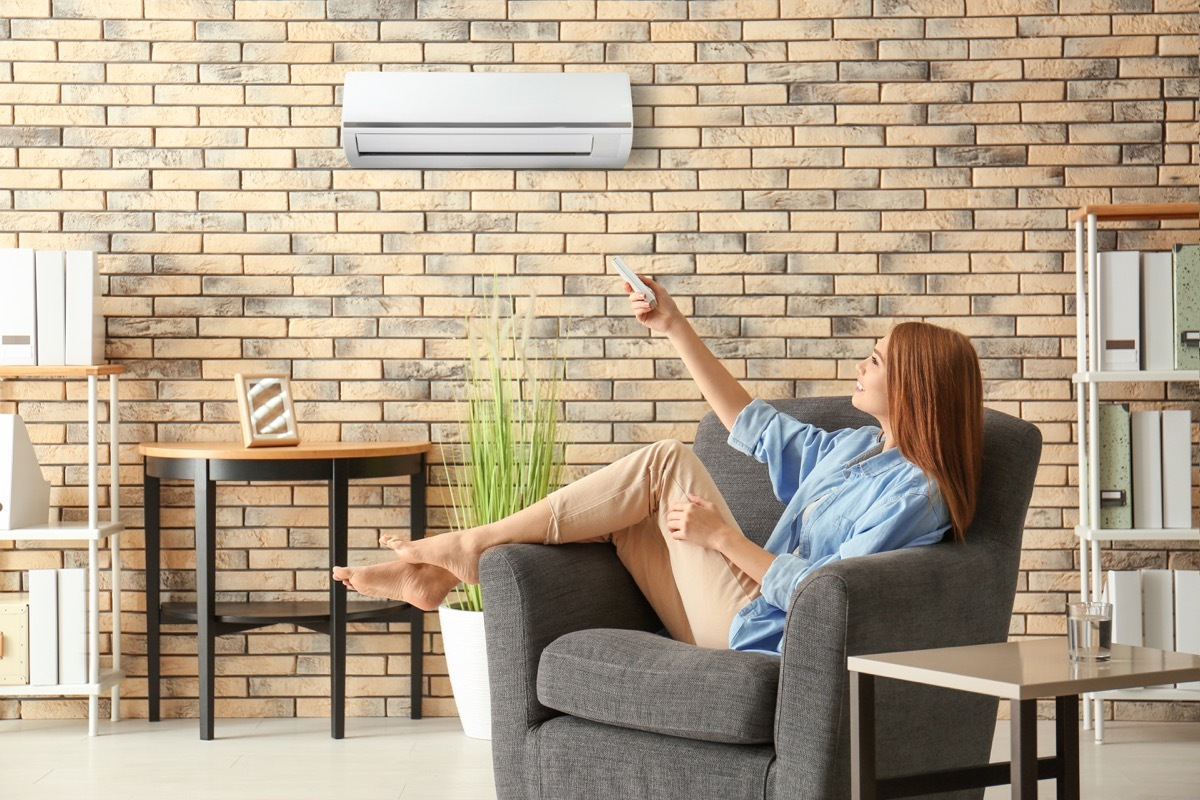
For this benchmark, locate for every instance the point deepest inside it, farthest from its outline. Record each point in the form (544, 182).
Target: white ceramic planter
(466, 661)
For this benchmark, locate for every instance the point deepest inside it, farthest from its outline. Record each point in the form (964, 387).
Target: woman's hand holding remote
(658, 319)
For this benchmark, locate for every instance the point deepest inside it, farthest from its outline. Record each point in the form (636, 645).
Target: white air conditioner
(487, 120)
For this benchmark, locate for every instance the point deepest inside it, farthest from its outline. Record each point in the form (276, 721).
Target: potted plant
(511, 458)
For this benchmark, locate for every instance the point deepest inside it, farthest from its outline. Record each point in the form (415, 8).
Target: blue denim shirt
(866, 501)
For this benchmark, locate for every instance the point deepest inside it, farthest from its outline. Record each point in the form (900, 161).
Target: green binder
(1116, 471)
(1187, 306)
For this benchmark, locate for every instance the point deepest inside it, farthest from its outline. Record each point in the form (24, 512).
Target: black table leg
(1066, 734)
(1023, 767)
(417, 521)
(206, 592)
(150, 504)
(862, 736)
(339, 500)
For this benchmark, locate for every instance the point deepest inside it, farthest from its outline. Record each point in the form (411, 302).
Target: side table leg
(862, 736)
(1023, 732)
(206, 592)
(1066, 734)
(417, 521)
(150, 491)
(339, 501)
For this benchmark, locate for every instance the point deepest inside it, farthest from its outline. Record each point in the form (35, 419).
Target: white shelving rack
(1088, 378)
(93, 531)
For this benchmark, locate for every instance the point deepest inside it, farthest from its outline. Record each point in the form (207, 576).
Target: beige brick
(55, 29)
(424, 31)
(148, 30)
(472, 53)
(152, 73)
(58, 73)
(558, 53)
(196, 53)
(279, 9)
(241, 31)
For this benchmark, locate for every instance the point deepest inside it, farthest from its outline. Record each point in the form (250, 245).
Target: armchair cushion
(640, 680)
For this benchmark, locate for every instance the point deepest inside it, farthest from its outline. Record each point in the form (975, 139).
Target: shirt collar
(876, 461)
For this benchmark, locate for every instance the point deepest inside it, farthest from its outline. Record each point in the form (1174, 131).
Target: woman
(849, 492)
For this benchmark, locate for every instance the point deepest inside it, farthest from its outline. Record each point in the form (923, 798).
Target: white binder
(1158, 312)
(51, 307)
(1187, 617)
(1158, 609)
(85, 323)
(1177, 468)
(72, 626)
(1119, 310)
(1123, 588)
(24, 492)
(18, 308)
(1145, 430)
(43, 627)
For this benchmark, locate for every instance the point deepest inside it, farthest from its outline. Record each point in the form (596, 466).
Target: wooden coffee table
(1020, 672)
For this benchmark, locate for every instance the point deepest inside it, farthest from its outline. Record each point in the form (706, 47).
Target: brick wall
(805, 173)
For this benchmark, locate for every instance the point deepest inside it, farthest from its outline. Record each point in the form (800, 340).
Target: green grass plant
(511, 453)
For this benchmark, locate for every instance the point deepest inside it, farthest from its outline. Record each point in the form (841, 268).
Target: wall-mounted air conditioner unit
(487, 120)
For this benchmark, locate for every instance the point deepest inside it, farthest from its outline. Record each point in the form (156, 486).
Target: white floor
(400, 759)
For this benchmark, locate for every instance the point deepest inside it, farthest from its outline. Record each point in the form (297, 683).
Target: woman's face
(870, 392)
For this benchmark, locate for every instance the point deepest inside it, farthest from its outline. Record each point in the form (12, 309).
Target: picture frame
(267, 411)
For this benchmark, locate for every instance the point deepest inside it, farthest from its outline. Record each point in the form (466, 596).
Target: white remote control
(637, 283)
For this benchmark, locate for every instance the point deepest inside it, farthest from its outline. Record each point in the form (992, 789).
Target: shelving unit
(1088, 378)
(93, 531)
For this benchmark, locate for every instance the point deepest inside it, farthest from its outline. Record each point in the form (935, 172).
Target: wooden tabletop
(66, 371)
(308, 451)
(1030, 669)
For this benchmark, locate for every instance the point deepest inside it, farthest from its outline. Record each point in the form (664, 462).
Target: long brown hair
(935, 405)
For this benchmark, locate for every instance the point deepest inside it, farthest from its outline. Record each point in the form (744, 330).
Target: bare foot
(422, 585)
(454, 552)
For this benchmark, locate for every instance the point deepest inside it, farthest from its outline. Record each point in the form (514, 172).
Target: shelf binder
(18, 308)
(1187, 306)
(43, 627)
(1145, 435)
(1123, 588)
(24, 492)
(1116, 473)
(85, 323)
(72, 626)
(1187, 617)
(1177, 469)
(1158, 312)
(1119, 310)
(51, 307)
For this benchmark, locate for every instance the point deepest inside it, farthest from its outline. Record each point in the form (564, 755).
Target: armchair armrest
(943, 595)
(532, 595)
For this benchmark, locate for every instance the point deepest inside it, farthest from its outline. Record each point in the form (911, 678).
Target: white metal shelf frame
(93, 531)
(1087, 378)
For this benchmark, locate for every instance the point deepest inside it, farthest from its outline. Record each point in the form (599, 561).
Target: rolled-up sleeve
(909, 520)
(788, 447)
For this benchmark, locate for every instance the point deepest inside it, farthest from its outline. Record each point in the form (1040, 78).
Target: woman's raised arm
(719, 387)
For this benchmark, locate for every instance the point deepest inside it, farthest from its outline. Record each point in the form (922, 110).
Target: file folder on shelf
(24, 492)
(85, 323)
(1158, 312)
(1116, 474)
(1123, 588)
(1119, 310)
(1187, 617)
(51, 307)
(1187, 306)
(72, 626)
(1177, 469)
(43, 627)
(18, 308)
(1145, 436)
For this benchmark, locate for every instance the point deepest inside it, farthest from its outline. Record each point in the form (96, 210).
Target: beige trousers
(696, 592)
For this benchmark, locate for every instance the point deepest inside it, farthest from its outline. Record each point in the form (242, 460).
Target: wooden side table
(205, 463)
(1020, 672)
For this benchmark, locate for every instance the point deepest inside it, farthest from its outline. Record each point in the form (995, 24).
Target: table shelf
(63, 531)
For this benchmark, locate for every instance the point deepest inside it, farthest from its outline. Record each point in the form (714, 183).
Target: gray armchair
(588, 702)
